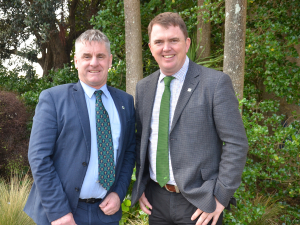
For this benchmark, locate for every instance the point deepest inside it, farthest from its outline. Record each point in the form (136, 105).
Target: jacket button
(84, 163)
(76, 189)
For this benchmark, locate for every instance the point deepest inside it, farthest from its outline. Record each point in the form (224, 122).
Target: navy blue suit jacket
(60, 148)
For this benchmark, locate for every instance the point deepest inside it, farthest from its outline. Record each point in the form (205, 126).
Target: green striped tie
(162, 157)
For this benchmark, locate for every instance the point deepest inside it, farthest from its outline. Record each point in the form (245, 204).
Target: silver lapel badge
(189, 89)
(123, 107)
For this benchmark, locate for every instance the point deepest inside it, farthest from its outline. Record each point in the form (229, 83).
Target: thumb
(104, 203)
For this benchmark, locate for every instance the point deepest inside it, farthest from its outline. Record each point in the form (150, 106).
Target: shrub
(13, 198)
(272, 167)
(13, 134)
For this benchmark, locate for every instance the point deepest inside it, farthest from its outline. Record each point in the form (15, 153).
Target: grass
(12, 201)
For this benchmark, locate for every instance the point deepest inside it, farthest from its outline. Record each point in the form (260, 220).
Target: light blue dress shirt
(91, 188)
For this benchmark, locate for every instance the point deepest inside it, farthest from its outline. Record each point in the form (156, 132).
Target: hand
(143, 203)
(206, 217)
(65, 220)
(111, 204)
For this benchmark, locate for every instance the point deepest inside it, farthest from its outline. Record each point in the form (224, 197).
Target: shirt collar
(90, 90)
(180, 75)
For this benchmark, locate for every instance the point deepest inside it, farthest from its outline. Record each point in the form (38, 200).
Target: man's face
(92, 61)
(169, 48)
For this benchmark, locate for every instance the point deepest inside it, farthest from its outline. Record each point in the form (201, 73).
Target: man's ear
(187, 44)
(110, 62)
(149, 44)
(75, 61)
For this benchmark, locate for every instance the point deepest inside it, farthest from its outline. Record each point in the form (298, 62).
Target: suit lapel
(148, 100)
(120, 108)
(189, 85)
(80, 102)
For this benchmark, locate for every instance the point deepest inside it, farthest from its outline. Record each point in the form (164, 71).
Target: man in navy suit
(64, 147)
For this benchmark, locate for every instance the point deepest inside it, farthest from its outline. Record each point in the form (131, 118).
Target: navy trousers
(91, 214)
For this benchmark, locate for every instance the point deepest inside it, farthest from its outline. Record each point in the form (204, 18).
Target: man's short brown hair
(166, 20)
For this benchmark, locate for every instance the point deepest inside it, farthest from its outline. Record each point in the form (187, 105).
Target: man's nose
(167, 46)
(94, 61)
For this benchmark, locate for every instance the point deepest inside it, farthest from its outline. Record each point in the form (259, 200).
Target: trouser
(170, 208)
(91, 214)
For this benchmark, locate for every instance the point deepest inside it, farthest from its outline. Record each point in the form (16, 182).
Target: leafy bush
(272, 168)
(13, 134)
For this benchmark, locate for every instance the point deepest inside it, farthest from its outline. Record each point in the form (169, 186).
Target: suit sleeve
(41, 148)
(129, 156)
(138, 132)
(231, 131)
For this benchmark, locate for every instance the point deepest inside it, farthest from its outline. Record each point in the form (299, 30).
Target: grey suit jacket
(208, 143)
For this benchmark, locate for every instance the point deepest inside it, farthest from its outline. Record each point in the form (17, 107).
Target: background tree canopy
(54, 24)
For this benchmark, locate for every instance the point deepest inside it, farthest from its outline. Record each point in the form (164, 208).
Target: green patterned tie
(106, 165)
(162, 157)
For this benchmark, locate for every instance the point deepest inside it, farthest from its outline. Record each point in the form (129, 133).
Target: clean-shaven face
(169, 47)
(92, 61)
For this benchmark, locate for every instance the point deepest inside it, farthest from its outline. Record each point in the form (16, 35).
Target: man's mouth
(168, 56)
(94, 71)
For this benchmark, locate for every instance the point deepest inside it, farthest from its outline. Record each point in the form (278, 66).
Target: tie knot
(168, 80)
(98, 93)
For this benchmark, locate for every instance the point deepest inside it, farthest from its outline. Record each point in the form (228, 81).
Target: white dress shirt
(91, 188)
(175, 87)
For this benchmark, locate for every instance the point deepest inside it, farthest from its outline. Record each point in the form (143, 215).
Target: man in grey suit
(82, 144)
(205, 142)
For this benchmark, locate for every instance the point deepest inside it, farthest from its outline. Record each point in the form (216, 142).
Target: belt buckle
(176, 189)
(167, 188)
(91, 200)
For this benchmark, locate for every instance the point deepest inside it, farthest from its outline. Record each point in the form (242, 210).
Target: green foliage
(52, 25)
(132, 215)
(16, 166)
(272, 168)
(111, 21)
(251, 210)
(272, 32)
(212, 61)
(30, 89)
(274, 149)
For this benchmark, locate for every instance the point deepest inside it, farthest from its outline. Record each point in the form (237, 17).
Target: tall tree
(203, 31)
(54, 24)
(234, 49)
(133, 44)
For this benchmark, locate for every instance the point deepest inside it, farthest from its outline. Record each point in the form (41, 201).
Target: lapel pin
(123, 107)
(189, 89)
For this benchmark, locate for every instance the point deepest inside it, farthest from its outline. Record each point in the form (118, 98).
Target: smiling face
(169, 47)
(92, 60)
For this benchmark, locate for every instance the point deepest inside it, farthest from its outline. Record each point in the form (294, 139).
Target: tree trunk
(54, 54)
(133, 45)
(203, 34)
(234, 49)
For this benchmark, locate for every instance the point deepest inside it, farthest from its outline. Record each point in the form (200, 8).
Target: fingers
(196, 214)
(204, 218)
(144, 203)
(215, 220)
(111, 204)
(65, 220)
